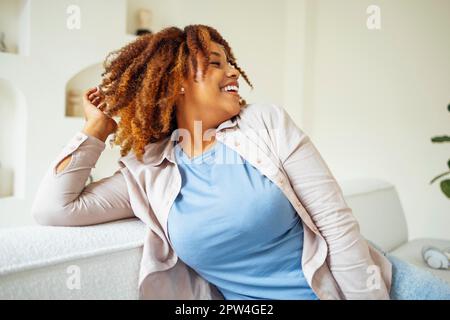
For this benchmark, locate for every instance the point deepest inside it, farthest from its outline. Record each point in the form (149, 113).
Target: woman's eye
(216, 63)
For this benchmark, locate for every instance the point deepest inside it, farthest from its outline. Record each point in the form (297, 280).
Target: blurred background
(368, 81)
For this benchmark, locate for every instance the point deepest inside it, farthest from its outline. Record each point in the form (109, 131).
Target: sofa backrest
(377, 208)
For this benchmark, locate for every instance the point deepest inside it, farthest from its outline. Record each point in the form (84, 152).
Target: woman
(238, 202)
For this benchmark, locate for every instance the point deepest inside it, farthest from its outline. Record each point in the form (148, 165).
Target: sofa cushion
(376, 206)
(412, 252)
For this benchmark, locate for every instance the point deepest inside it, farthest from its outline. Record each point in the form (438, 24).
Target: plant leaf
(445, 187)
(440, 139)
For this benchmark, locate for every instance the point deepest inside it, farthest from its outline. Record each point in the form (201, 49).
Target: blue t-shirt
(236, 228)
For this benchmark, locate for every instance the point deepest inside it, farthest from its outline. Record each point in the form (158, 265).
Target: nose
(233, 72)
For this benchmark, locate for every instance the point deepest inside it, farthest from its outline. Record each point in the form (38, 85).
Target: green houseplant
(445, 184)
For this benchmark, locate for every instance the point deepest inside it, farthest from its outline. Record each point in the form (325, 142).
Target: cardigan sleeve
(64, 199)
(348, 255)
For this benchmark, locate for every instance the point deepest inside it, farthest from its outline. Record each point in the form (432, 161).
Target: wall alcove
(75, 88)
(140, 17)
(77, 85)
(14, 26)
(13, 124)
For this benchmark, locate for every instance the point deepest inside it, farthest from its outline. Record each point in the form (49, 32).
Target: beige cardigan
(337, 261)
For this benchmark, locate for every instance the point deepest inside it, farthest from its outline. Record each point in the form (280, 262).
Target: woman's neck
(193, 148)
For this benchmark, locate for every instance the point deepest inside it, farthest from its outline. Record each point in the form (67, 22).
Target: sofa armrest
(377, 207)
(91, 262)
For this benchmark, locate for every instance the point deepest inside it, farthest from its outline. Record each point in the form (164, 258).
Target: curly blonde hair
(141, 82)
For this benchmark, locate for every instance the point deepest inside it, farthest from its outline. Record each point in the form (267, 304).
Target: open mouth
(234, 90)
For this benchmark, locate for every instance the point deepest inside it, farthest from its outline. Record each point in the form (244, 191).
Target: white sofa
(377, 207)
(38, 262)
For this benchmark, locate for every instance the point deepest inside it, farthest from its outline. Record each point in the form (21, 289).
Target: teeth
(230, 88)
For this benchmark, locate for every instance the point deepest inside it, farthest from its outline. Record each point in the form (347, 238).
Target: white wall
(374, 98)
(254, 29)
(370, 100)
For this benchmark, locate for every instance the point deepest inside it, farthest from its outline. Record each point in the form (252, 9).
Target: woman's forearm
(63, 183)
(64, 199)
(96, 130)
(90, 130)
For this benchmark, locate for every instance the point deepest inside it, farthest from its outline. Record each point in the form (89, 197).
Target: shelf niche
(15, 27)
(77, 85)
(13, 124)
(75, 88)
(140, 17)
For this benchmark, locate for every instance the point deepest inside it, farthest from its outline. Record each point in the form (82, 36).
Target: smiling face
(206, 99)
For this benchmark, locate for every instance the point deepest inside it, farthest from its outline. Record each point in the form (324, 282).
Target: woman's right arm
(63, 199)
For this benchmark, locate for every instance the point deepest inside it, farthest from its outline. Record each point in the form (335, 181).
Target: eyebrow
(219, 55)
(216, 53)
